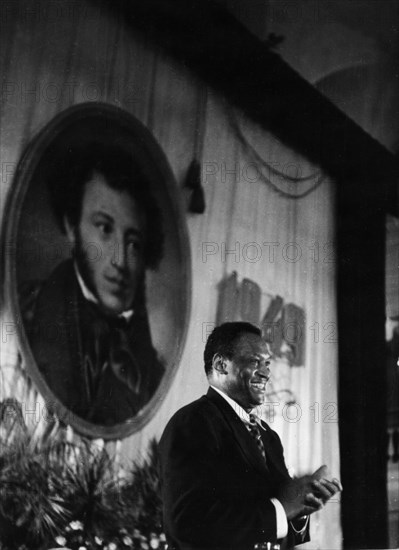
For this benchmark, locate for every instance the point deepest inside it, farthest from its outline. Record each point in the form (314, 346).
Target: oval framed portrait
(100, 275)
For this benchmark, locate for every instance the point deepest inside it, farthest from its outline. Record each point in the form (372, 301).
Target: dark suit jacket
(216, 486)
(62, 338)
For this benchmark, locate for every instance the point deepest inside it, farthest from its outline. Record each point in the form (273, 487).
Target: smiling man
(224, 480)
(89, 333)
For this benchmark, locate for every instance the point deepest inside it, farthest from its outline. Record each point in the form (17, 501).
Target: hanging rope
(193, 177)
(251, 152)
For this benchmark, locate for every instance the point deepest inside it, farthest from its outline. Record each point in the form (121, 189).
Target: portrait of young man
(224, 479)
(88, 330)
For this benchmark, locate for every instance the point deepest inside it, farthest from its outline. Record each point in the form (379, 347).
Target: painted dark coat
(65, 335)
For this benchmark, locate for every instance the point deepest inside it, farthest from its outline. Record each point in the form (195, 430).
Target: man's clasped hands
(305, 495)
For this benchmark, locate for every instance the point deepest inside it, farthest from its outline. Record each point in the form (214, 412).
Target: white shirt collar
(89, 296)
(241, 413)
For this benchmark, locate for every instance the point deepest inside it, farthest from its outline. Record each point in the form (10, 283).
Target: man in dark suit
(89, 329)
(224, 479)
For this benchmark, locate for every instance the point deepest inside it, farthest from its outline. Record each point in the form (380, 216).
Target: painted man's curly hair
(122, 173)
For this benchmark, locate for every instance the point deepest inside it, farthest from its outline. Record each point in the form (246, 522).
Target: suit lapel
(74, 356)
(245, 441)
(272, 454)
(57, 358)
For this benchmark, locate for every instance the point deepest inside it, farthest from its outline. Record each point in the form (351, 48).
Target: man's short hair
(222, 340)
(121, 173)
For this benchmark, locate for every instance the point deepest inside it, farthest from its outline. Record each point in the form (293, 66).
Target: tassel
(197, 202)
(193, 182)
(193, 178)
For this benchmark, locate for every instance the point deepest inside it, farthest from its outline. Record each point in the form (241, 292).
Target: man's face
(109, 244)
(248, 371)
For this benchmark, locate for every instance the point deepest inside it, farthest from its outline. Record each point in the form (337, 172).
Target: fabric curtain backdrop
(54, 57)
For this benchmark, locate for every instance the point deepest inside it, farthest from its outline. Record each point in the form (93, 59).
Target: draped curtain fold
(98, 59)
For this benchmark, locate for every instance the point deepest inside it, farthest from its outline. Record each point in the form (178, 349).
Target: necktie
(108, 344)
(253, 429)
(122, 359)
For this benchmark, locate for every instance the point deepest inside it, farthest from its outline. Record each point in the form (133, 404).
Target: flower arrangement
(63, 495)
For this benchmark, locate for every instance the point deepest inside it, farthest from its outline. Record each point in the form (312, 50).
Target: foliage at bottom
(67, 495)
